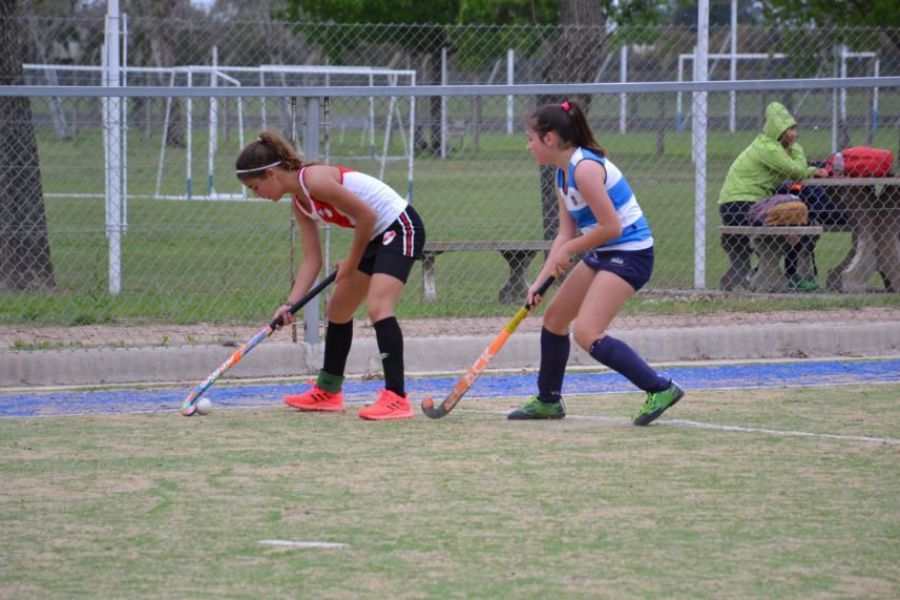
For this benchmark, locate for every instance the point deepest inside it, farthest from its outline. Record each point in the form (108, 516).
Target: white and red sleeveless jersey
(381, 198)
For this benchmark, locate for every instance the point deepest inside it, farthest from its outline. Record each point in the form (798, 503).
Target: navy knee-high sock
(554, 356)
(390, 345)
(619, 356)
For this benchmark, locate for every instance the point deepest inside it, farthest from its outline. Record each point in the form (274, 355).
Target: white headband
(254, 169)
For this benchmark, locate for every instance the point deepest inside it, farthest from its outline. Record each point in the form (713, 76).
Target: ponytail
(569, 122)
(268, 151)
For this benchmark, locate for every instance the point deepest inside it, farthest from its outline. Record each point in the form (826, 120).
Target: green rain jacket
(764, 165)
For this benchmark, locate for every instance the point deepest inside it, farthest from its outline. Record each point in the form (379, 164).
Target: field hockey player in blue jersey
(599, 217)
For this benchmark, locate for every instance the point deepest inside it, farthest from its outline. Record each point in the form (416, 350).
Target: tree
(422, 35)
(575, 55)
(60, 122)
(24, 244)
(163, 55)
(827, 13)
(509, 12)
(422, 27)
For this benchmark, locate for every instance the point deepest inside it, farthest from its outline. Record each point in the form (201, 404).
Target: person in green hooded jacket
(773, 158)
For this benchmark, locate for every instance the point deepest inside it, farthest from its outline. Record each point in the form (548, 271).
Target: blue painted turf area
(806, 373)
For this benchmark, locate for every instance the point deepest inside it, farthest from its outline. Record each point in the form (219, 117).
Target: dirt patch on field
(127, 336)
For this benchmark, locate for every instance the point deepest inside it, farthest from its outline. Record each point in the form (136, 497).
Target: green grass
(149, 505)
(230, 262)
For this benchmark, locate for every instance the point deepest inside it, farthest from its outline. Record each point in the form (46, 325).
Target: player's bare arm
(324, 182)
(309, 267)
(590, 177)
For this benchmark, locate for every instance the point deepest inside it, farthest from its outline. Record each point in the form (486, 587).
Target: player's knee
(584, 337)
(556, 323)
(337, 313)
(331, 315)
(379, 308)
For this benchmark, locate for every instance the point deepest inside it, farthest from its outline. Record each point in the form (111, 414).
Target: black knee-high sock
(390, 345)
(338, 339)
(554, 356)
(620, 357)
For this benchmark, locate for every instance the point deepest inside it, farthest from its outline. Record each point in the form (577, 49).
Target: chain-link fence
(118, 206)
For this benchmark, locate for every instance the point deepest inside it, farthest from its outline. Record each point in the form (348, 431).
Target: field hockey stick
(189, 406)
(462, 386)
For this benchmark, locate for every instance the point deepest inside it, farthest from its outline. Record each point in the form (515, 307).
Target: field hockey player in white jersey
(599, 217)
(388, 236)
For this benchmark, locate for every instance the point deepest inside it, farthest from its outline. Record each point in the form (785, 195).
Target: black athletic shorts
(395, 249)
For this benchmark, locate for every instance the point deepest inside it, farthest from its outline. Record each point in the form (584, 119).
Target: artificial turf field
(775, 492)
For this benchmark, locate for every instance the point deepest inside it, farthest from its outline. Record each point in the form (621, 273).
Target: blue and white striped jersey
(636, 233)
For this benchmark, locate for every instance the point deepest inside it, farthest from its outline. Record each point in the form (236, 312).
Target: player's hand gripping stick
(189, 407)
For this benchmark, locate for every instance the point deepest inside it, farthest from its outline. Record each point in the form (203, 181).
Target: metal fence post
(310, 153)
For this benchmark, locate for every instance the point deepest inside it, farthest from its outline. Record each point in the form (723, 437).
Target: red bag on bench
(862, 161)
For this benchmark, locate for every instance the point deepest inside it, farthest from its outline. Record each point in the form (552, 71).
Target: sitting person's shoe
(657, 403)
(535, 409)
(317, 399)
(748, 279)
(799, 284)
(388, 407)
(736, 278)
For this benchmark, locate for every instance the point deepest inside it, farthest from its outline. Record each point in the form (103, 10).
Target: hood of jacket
(765, 164)
(778, 120)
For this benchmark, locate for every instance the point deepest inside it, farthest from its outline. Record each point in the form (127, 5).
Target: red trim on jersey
(341, 171)
(325, 211)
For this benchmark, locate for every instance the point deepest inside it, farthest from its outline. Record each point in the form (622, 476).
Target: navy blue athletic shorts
(634, 266)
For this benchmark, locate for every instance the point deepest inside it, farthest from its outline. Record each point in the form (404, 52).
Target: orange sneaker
(317, 399)
(388, 407)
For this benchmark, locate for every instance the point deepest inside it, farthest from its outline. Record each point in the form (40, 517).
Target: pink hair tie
(566, 106)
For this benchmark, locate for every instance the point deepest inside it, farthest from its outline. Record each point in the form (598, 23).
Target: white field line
(302, 544)
(736, 428)
(787, 433)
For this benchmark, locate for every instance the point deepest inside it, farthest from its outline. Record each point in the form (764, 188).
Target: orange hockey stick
(463, 385)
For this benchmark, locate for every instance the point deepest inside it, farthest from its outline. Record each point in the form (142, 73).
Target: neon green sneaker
(799, 284)
(657, 403)
(535, 409)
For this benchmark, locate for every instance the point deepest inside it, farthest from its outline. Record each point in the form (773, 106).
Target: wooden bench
(771, 244)
(517, 253)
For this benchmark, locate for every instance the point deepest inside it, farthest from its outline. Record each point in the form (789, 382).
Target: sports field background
(187, 261)
(230, 262)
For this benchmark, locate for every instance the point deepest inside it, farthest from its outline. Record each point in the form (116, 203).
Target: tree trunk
(574, 57)
(175, 133)
(24, 244)
(164, 56)
(436, 44)
(56, 109)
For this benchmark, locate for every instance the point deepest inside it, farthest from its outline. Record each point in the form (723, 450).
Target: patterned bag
(780, 209)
